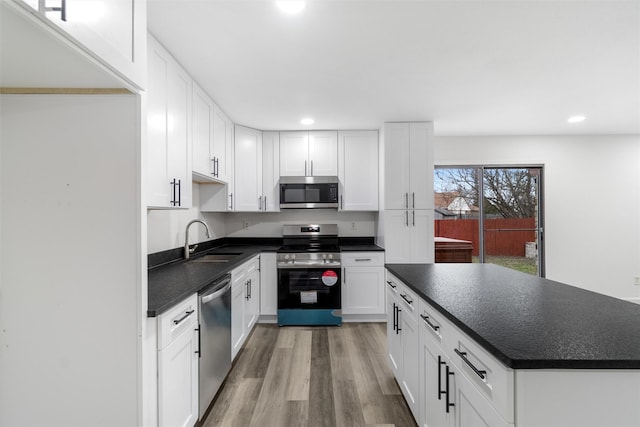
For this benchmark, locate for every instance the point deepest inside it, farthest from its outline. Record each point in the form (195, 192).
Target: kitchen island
(507, 348)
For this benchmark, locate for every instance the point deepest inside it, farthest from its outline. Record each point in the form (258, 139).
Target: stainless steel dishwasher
(214, 339)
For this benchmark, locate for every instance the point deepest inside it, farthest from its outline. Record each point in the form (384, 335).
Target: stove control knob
(286, 256)
(324, 256)
(330, 256)
(293, 258)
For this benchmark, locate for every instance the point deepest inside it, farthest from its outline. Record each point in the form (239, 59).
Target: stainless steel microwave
(308, 192)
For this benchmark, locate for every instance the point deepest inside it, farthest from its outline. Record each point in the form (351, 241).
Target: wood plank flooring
(312, 376)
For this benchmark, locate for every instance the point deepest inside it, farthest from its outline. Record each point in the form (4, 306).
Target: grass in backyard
(526, 265)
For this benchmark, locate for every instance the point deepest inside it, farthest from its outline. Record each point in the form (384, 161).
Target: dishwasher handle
(217, 291)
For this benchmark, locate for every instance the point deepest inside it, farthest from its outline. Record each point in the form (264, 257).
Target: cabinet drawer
(408, 300)
(494, 380)
(178, 319)
(435, 325)
(362, 259)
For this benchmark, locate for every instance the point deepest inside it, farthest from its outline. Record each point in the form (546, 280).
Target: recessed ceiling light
(576, 119)
(291, 6)
(307, 121)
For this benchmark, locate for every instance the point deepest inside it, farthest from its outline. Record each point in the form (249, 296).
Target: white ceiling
(472, 67)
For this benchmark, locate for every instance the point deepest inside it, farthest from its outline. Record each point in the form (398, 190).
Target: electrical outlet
(636, 280)
(245, 224)
(353, 225)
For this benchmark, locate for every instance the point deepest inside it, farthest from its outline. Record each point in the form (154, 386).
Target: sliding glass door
(490, 214)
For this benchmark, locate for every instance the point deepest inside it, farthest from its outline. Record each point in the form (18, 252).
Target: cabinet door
(421, 166)
(202, 134)
(248, 167)
(237, 313)
(222, 128)
(471, 408)
(178, 116)
(363, 290)
(294, 153)
(323, 153)
(397, 160)
(358, 170)
(178, 381)
(432, 369)
(421, 242)
(114, 31)
(252, 296)
(168, 127)
(270, 171)
(410, 361)
(158, 187)
(394, 337)
(397, 236)
(268, 284)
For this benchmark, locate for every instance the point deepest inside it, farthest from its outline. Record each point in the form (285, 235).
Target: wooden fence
(503, 236)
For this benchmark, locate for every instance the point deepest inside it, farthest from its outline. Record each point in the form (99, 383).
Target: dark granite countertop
(170, 283)
(171, 279)
(528, 322)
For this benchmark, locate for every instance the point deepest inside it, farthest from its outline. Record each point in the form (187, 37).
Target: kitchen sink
(216, 258)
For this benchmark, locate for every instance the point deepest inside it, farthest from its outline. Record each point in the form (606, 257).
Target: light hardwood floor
(312, 376)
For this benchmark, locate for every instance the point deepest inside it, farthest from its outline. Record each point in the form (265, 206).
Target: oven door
(309, 288)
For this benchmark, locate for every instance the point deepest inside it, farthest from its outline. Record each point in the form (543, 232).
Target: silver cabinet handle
(43, 8)
(311, 168)
(260, 203)
(265, 203)
(231, 205)
(305, 168)
(341, 205)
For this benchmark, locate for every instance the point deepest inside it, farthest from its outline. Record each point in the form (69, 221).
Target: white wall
(591, 196)
(270, 224)
(166, 228)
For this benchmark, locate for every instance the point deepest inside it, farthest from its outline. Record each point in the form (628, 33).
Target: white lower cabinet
(363, 283)
(463, 385)
(403, 341)
(245, 302)
(268, 284)
(178, 365)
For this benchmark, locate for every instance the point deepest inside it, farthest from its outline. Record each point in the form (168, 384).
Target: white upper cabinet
(113, 31)
(168, 131)
(248, 169)
(212, 132)
(358, 170)
(408, 154)
(203, 163)
(270, 171)
(222, 145)
(313, 153)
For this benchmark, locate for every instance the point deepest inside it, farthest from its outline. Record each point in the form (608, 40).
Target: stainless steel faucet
(188, 251)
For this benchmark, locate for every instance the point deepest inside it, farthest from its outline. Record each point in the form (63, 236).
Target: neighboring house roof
(453, 202)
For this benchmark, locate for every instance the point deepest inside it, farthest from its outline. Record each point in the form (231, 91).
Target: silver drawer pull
(186, 314)
(431, 325)
(463, 356)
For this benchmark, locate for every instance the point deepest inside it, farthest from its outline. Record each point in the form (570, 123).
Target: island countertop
(528, 322)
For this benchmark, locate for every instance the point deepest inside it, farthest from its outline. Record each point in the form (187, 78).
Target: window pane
(456, 214)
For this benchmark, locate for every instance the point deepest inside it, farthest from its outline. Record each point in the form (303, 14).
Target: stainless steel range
(309, 276)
